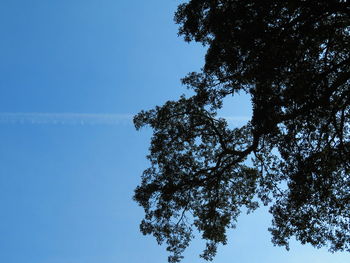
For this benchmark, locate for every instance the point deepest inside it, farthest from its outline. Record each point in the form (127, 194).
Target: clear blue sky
(66, 188)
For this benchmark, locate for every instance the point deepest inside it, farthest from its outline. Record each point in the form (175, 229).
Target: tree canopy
(293, 58)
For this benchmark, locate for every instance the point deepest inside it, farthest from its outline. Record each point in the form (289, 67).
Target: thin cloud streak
(44, 118)
(39, 118)
(235, 118)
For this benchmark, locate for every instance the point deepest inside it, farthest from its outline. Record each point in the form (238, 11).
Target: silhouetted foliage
(292, 57)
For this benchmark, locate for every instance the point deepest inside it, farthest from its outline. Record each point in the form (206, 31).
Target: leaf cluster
(292, 58)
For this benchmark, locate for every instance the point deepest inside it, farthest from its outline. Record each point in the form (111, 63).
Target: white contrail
(235, 119)
(83, 118)
(65, 118)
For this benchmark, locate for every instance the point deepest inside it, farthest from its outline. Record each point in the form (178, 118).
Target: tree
(292, 57)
